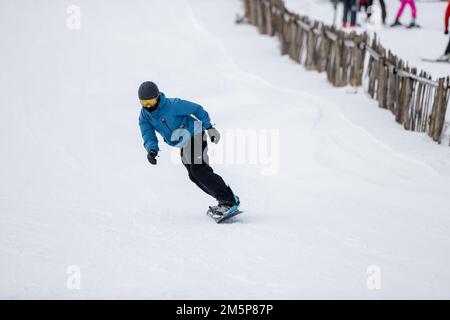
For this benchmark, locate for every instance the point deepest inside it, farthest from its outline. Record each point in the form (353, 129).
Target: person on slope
(350, 10)
(446, 55)
(183, 124)
(368, 8)
(400, 12)
(363, 4)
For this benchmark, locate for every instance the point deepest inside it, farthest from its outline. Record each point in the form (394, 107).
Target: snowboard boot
(444, 58)
(225, 207)
(237, 202)
(396, 23)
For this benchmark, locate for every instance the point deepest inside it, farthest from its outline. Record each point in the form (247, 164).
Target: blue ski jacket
(176, 120)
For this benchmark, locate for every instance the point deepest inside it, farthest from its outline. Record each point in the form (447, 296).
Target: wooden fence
(417, 102)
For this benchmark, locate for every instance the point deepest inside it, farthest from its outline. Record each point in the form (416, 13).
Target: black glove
(151, 156)
(213, 134)
(446, 32)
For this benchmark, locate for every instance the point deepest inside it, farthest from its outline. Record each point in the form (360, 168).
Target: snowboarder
(403, 4)
(183, 124)
(446, 55)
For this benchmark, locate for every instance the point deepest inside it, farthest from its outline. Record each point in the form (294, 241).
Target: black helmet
(148, 90)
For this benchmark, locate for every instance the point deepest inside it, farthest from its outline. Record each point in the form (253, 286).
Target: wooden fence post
(416, 112)
(285, 35)
(404, 101)
(247, 6)
(339, 60)
(269, 22)
(333, 60)
(293, 29)
(346, 56)
(252, 10)
(323, 51)
(408, 107)
(261, 21)
(309, 62)
(391, 83)
(358, 61)
(382, 78)
(302, 39)
(438, 112)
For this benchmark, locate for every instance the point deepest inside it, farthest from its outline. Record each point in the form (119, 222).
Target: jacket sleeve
(148, 134)
(184, 108)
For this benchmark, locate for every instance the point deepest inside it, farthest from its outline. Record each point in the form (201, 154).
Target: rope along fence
(417, 102)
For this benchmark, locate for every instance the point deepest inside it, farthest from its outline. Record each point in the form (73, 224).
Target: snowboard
(224, 217)
(434, 60)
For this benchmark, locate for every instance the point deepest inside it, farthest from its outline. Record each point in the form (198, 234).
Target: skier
(183, 124)
(368, 6)
(400, 11)
(446, 55)
(350, 8)
(363, 4)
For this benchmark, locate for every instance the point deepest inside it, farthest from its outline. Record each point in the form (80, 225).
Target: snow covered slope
(352, 189)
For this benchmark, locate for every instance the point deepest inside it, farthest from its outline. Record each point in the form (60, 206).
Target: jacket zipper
(164, 121)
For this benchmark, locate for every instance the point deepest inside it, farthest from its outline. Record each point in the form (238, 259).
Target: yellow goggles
(149, 102)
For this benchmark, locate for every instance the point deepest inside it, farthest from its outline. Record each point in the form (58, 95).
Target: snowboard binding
(225, 210)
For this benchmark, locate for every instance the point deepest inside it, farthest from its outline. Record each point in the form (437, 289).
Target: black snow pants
(194, 156)
(350, 9)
